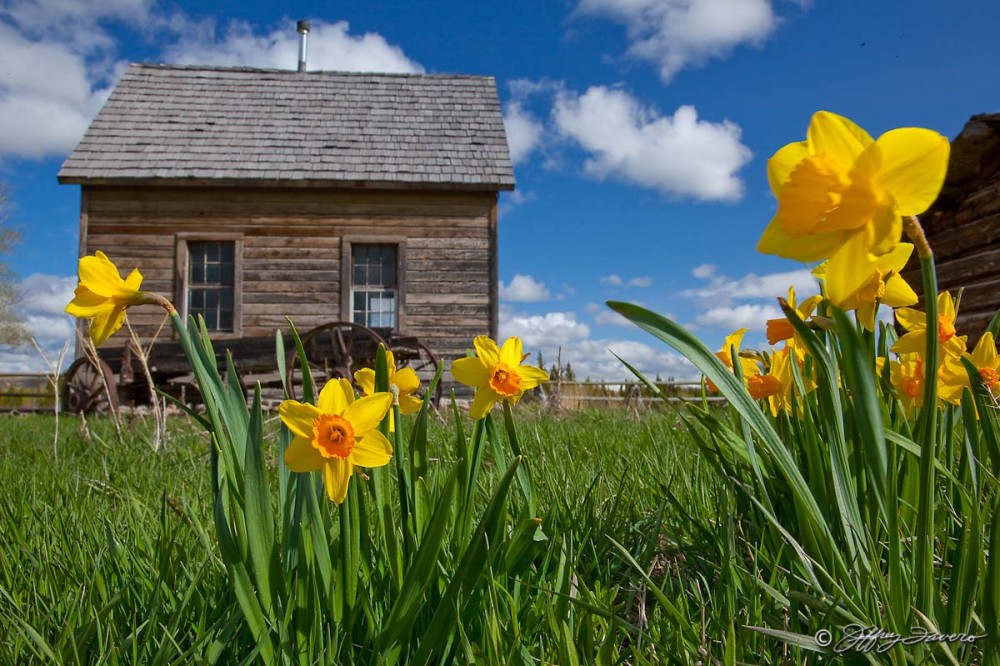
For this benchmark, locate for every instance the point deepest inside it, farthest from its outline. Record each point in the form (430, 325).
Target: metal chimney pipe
(303, 29)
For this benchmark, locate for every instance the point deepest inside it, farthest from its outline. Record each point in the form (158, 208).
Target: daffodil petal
(898, 293)
(298, 417)
(482, 403)
(372, 450)
(511, 352)
(132, 282)
(406, 380)
(848, 269)
(985, 353)
(470, 371)
(100, 275)
(87, 304)
(866, 315)
(911, 319)
(105, 324)
(487, 350)
(409, 405)
(838, 137)
(911, 343)
(365, 414)
(366, 380)
(302, 456)
(914, 165)
(814, 247)
(531, 376)
(337, 478)
(946, 306)
(332, 399)
(783, 162)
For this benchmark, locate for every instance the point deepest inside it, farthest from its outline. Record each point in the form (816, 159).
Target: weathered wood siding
(963, 227)
(291, 252)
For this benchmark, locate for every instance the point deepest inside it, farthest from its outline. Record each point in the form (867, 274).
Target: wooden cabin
(963, 227)
(251, 194)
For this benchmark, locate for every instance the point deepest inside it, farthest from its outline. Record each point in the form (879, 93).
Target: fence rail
(576, 394)
(25, 391)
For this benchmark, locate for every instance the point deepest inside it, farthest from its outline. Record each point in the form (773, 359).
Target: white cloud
(641, 282)
(41, 303)
(675, 34)
(553, 329)
(49, 91)
(524, 289)
(559, 334)
(330, 47)
(748, 315)
(609, 317)
(723, 290)
(704, 271)
(614, 280)
(677, 155)
(524, 131)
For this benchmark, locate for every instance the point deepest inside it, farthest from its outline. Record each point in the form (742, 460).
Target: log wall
(291, 243)
(963, 228)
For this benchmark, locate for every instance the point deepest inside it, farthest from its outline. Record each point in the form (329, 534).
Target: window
(374, 285)
(211, 283)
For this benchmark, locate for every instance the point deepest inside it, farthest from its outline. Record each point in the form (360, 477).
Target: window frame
(183, 270)
(347, 244)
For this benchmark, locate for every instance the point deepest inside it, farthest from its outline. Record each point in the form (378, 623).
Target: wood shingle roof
(255, 126)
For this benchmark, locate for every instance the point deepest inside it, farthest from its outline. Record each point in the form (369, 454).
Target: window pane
(211, 280)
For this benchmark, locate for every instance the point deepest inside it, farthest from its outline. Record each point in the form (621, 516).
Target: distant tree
(570, 375)
(12, 330)
(541, 362)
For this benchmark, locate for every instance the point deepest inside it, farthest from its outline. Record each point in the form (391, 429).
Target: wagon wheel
(334, 351)
(89, 389)
(425, 364)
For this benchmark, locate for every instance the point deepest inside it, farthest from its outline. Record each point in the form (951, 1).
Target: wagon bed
(333, 350)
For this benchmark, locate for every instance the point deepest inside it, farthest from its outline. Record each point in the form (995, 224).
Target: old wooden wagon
(963, 226)
(124, 374)
(249, 195)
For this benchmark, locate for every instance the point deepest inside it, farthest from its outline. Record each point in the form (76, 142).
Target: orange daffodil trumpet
(781, 329)
(952, 345)
(404, 380)
(336, 434)
(103, 296)
(841, 194)
(496, 374)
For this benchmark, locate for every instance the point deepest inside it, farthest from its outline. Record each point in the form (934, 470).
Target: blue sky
(640, 131)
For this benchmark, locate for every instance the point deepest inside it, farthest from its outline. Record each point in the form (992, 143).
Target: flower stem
(927, 429)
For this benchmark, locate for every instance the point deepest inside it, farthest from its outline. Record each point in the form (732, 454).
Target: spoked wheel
(89, 388)
(425, 364)
(334, 351)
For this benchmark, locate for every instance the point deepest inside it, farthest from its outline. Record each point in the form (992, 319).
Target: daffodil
(778, 383)
(496, 374)
(336, 434)
(402, 382)
(907, 377)
(102, 296)
(748, 366)
(781, 329)
(915, 322)
(954, 377)
(884, 285)
(841, 193)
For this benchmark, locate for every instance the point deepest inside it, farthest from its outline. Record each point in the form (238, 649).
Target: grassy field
(108, 555)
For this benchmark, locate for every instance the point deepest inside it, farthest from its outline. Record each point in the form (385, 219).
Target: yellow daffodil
(496, 374)
(405, 382)
(915, 322)
(841, 193)
(781, 329)
(907, 377)
(336, 434)
(778, 383)
(102, 296)
(884, 285)
(748, 366)
(954, 378)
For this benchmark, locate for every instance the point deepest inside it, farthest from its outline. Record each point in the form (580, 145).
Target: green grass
(109, 554)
